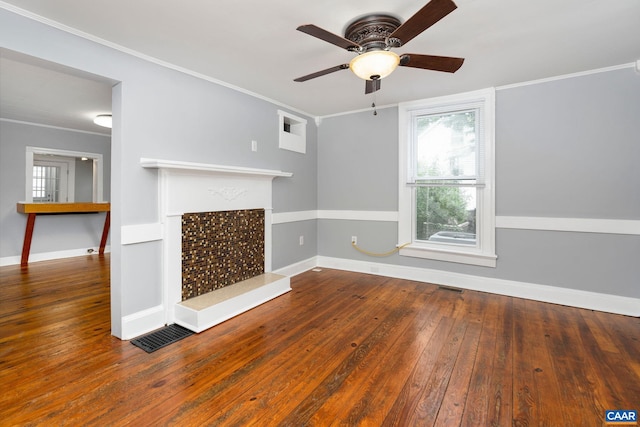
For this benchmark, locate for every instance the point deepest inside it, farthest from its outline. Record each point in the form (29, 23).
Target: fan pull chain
(373, 105)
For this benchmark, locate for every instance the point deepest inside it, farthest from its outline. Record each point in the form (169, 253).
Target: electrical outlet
(354, 240)
(301, 240)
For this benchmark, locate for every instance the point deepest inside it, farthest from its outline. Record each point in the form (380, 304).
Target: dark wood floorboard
(341, 348)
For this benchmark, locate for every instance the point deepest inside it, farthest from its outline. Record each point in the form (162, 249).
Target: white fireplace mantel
(209, 168)
(186, 187)
(203, 187)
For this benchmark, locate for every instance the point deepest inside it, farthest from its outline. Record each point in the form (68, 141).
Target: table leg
(28, 234)
(105, 232)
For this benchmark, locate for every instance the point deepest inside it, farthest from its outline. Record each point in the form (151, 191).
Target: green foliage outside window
(442, 209)
(446, 207)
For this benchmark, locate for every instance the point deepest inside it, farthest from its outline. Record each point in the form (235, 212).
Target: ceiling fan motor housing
(372, 31)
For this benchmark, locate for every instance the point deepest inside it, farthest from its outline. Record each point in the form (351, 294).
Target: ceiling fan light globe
(378, 63)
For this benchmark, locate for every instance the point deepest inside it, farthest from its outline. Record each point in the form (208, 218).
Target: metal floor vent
(161, 338)
(449, 288)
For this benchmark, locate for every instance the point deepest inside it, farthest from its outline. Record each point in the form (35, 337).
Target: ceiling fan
(372, 37)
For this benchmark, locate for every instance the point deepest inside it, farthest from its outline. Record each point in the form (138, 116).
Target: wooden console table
(33, 209)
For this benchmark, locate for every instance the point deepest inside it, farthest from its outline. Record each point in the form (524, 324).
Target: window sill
(450, 255)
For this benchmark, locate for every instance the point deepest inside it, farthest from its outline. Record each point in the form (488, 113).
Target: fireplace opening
(221, 248)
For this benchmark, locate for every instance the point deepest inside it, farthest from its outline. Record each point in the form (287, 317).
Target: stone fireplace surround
(186, 187)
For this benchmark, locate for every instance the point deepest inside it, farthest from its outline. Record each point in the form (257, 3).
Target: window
(54, 175)
(446, 206)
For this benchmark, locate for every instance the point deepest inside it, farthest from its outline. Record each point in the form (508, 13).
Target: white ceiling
(37, 91)
(254, 45)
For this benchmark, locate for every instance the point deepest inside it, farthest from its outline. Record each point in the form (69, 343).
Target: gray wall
(165, 114)
(286, 242)
(51, 233)
(84, 180)
(358, 162)
(567, 148)
(570, 148)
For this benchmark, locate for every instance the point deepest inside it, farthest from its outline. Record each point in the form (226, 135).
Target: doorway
(51, 107)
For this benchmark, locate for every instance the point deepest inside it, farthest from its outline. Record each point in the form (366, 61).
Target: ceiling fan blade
(322, 73)
(371, 86)
(430, 62)
(430, 13)
(325, 35)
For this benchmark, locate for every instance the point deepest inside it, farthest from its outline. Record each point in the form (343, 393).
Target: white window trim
(483, 254)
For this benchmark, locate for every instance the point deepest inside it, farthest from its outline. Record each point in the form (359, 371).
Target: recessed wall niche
(292, 132)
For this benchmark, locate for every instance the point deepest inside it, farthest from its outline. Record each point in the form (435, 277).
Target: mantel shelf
(206, 167)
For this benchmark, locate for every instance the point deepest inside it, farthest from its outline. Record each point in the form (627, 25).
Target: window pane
(46, 183)
(446, 214)
(446, 145)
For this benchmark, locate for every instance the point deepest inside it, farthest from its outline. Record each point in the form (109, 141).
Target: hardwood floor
(340, 349)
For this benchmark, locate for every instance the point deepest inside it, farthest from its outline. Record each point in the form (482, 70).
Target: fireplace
(207, 197)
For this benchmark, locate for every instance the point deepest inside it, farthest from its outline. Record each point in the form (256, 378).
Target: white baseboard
(48, 256)
(557, 295)
(142, 322)
(299, 267)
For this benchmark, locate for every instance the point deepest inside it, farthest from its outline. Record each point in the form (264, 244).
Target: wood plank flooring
(340, 349)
